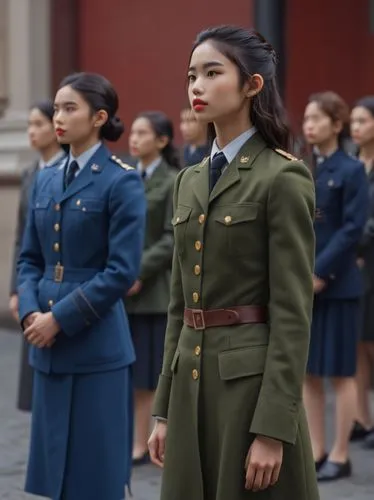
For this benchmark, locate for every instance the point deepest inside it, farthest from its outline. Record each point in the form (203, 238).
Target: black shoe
(142, 460)
(368, 443)
(331, 471)
(359, 432)
(318, 463)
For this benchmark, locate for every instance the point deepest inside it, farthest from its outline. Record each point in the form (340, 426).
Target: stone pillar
(27, 75)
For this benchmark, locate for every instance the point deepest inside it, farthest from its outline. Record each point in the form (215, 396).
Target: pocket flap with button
(42, 202)
(87, 205)
(182, 214)
(243, 362)
(174, 363)
(237, 214)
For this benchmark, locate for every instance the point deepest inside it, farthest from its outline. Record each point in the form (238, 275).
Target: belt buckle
(198, 319)
(59, 273)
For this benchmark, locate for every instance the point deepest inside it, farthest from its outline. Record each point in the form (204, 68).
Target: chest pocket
(88, 207)
(236, 226)
(179, 221)
(41, 206)
(329, 192)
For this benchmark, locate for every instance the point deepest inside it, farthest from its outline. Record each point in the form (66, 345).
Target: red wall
(145, 54)
(329, 47)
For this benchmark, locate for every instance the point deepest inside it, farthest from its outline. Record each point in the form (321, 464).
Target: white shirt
(55, 159)
(83, 159)
(149, 170)
(233, 147)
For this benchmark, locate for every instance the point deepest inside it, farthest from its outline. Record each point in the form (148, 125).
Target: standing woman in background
(151, 143)
(362, 131)
(42, 139)
(80, 254)
(341, 210)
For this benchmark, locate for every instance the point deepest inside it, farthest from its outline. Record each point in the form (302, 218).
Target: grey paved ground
(14, 427)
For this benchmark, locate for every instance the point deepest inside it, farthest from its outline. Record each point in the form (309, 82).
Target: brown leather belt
(199, 319)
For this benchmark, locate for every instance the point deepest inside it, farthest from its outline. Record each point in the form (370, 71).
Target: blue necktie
(71, 173)
(218, 162)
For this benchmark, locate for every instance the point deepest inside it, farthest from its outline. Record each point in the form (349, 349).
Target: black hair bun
(112, 129)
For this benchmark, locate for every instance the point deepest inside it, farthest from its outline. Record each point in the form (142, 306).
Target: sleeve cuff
(276, 421)
(161, 401)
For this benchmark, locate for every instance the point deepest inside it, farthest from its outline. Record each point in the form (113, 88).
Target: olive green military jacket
(157, 256)
(250, 242)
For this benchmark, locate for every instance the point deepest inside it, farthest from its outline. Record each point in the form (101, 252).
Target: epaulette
(120, 163)
(289, 156)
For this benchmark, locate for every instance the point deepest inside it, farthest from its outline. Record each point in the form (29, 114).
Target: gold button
(50, 303)
(197, 350)
(78, 203)
(178, 219)
(195, 297)
(57, 207)
(198, 245)
(201, 218)
(228, 219)
(56, 247)
(195, 374)
(57, 227)
(197, 270)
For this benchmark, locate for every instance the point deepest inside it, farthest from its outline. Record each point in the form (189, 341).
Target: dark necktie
(71, 173)
(144, 175)
(218, 162)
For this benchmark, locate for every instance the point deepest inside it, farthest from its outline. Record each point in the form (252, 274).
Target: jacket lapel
(243, 160)
(200, 184)
(156, 178)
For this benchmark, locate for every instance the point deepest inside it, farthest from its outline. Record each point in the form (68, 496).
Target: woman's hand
(318, 284)
(13, 306)
(156, 443)
(42, 330)
(263, 463)
(135, 289)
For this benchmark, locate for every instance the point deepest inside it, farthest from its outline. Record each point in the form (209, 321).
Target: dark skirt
(24, 400)
(367, 328)
(148, 335)
(334, 338)
(81, 436)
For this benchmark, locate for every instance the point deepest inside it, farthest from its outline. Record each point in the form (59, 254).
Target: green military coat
(249, 242)
(157, 256)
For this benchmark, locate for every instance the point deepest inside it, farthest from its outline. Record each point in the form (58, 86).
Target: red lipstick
(60, 131)
(199, 104)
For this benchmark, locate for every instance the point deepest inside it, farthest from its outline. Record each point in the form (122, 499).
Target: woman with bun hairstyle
(80, 255)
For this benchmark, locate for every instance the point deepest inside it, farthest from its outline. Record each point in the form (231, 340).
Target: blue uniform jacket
(341, 213)
(81, 253)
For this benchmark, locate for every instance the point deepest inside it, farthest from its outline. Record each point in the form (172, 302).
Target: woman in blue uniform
(81, 253)
(42, 139)
(362, 130)
(151, 142)
(341, 208)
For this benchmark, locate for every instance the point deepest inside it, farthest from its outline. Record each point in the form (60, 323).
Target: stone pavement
(14, 428)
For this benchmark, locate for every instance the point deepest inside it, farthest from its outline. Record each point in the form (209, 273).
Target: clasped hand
(41, 329)
(263, 463)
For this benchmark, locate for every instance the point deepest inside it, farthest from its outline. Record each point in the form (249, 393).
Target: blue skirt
(81, 436)
(148, 336)
(334, 338)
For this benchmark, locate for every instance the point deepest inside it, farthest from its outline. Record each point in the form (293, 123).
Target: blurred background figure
(151, 143)
(362, 131)
(42, 139)
(194, 136)
(341, 209)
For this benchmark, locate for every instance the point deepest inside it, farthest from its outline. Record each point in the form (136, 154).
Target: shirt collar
(83, 158)
(150, 169)
(233, 147)
(52, 161)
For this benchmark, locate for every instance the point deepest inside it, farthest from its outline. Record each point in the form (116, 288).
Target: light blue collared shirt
(55, 159)
(233, 147)
(84, 157)
(149, 171)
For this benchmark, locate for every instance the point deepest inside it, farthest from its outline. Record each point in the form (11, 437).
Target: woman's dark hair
(366, 102)
(336, 109)
(163, 127)
(46, 108)
(252, 54)
(99, 93)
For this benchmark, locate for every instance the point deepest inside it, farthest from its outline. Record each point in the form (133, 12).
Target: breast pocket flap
(237, 214)
(87, 205)
(42, 202)
(182, 214)
(243, 362)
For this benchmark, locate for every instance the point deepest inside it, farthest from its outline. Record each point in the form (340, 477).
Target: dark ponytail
(99, 93)
(163, 127)
(252, 54)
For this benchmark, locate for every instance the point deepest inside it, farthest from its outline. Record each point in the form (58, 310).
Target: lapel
(244, 160)
(330, 165)
(157, 177)
(85, 178)
(200, 184)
